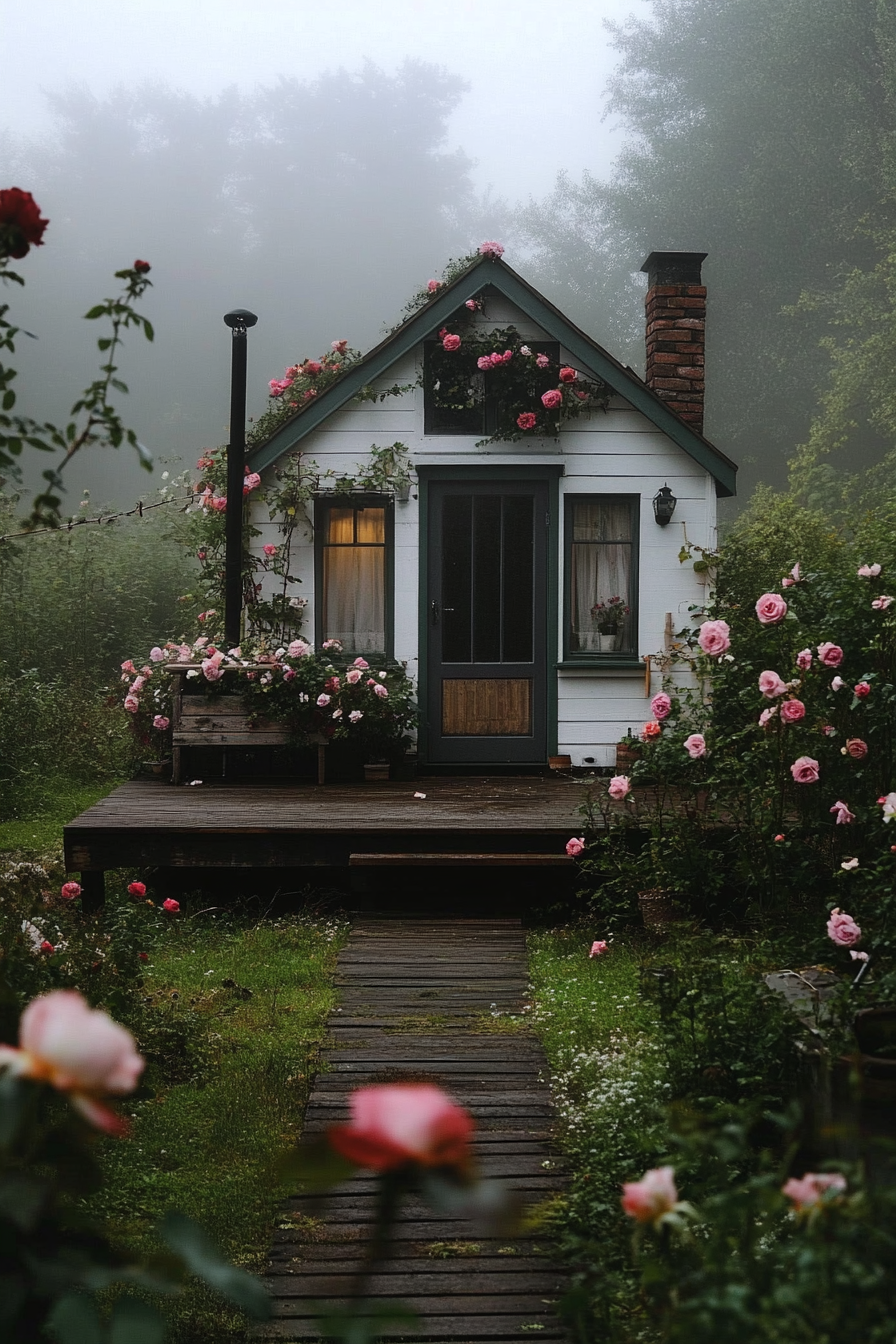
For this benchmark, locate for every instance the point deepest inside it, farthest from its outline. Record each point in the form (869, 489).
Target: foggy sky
(536, 76)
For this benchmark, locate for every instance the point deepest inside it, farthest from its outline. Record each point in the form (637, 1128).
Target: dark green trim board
(489, 273)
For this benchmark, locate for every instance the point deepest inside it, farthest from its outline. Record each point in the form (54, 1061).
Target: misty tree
(755, 134)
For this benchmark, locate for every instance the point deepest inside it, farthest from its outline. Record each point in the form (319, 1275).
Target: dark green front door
(486, 622)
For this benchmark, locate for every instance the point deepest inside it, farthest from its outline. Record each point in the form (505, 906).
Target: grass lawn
(234, 1016)
(41, 828)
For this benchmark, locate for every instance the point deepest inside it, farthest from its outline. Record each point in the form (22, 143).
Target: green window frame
(601, 561)
(359, 554)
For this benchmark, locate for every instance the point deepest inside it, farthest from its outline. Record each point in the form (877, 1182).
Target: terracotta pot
(627, 753)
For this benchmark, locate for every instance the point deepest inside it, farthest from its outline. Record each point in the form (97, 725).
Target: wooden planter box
(627, 753)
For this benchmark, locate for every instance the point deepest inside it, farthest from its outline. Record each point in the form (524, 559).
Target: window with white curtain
(601, 576)
(353, 574)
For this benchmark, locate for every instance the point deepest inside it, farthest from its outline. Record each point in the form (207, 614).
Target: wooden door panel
(487, 707)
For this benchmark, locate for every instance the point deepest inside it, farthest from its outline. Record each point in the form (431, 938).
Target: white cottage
(522, 583)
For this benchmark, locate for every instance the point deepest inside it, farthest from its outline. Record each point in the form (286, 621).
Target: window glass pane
(601, 520)
(487, 578)
(354, 597)
(518, 557)
(371, 525)
(341, 526)
(600, 577)
(457, 556)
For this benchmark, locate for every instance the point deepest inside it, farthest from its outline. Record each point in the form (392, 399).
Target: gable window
(467, 405)
(354, 573)
(601, 577)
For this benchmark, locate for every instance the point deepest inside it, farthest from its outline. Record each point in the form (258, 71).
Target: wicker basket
(658, 910)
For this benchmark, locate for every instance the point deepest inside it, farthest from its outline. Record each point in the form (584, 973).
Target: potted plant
(609, 617)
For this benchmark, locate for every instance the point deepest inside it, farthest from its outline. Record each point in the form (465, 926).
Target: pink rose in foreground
(770, 684)
(527, 420)
(861, 689)
(830, 654)
(394, 1124)
(76, 1049)
(491, 249)
(552, 398)
(161, 723)
(807, 1192)
(651, 1198)
(771, 608)
(619, 787)
(380, 690)
(450, 342)
(792, 578)
(598, 949)
(575, 846)
(137, 890)
(805, 770)
(69, 891)
(842, 929)
(714, 637)
(881, 603)
(695, 746)
(792, 711)
(156, 655)
(804, 659)
(353, 676)
(843, 815)
(868, 571)
(661, 706)
(171, 907)
(855, 748)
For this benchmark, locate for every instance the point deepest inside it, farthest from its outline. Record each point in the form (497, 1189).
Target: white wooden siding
(614, 452)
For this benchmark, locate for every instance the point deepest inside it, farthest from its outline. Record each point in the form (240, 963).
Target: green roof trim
(498, 275)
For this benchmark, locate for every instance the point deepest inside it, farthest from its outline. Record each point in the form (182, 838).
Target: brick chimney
(676, 332)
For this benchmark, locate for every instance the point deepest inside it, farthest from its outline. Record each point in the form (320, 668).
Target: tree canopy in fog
(318, 205)
(758, 132)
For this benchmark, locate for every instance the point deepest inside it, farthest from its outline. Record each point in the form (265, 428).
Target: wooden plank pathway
(417, 1000)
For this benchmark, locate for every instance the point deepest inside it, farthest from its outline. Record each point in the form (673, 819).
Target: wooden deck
(503, 821)
(417, 999)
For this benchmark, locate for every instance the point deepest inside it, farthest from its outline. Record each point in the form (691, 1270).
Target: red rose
(861, 689)
(856, 748)
(568, 375)
(142, 267)
(450, 343)
(526, 420)
(21, 226)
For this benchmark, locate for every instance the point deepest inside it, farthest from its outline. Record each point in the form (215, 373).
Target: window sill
(607, 664)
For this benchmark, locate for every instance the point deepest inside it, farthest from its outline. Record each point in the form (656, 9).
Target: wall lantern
(664, 505)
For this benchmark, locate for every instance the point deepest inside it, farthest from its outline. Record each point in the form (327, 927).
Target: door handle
(436, 611)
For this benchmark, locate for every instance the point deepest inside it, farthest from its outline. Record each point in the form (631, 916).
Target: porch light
(664, 505)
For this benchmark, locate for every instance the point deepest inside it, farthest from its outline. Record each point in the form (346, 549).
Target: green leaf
(99, 310)
(75, 1320)
(148, 330)
(136, 1322)
(9, 399)
(202, 1258)
(104, 342)
(144, 454)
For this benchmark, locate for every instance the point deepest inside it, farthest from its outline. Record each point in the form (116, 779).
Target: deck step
(453, 860)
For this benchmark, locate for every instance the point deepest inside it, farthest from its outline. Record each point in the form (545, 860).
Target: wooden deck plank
(401, 969)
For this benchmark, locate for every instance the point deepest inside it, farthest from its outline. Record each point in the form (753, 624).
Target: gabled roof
(593, 359)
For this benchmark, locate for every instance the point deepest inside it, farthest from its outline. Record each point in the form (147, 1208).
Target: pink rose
(650, 731)
(380, 690)
(353, 676)
(807, 1193)
(161, 723)
(859, 956)
(451, 342)
(598, 949)
(395, 1124)
(78, 1050)
(842, 929)
(695, 746)
(156, 655)
(568, 375)
(218, 503)
(471, 304)
(360, 662)
(651, 1198)
(552, 398)
(792, 578)
(714, 637)
(339, 347)
(861, 689)
(804, 659)
(868, 571)
(792, 711)
(855, 748)
(888, 803)
(527, 420)
(70, 891)
(770, 684)
(251, 481)
(542, 361)
(433, 285)
(837, 684)
(171, 907)
(298, 648)
(767, 715)
(137, 890)
(131, 704)
(830, 654)
(575, 846)
(661, 706)
(322, 701)
(355, 716)
(843, 815)
(269, 549)
(211, 669)
(805, 770)
(128, 666)
(491, 249)
(881, 603)
(771, 608)
(289, 674)
(619, 787)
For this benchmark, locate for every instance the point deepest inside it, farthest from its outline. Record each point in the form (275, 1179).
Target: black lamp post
(664, 505)
(238, 321)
